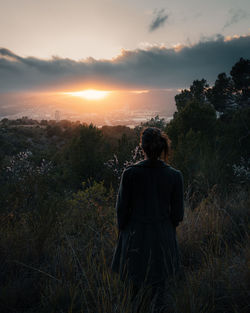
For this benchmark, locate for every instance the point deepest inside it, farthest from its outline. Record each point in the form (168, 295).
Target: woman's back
(149, 207)
(152, 184)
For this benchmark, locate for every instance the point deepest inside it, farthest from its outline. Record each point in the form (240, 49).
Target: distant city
(129, 109)
(115, 117)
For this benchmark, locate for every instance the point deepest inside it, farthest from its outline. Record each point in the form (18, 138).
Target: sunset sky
(67, 46)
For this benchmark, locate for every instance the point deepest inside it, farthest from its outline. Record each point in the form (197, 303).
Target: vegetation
(58, 224)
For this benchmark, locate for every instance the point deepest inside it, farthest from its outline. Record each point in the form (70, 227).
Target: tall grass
(58, 259)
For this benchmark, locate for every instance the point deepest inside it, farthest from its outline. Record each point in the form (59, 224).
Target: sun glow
(89, 94)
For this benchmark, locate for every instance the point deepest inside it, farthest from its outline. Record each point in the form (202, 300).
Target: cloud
(158, 20)
(235, 15)
(155, 67)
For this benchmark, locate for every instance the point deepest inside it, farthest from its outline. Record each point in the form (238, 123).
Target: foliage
(242, 170)
(26, 183)
(117, 166)
(58, 259)
(228, 92)
(222, 94)
(210, 133)
(197, 92)
(241, 77)
(83, 156)
(196, 116)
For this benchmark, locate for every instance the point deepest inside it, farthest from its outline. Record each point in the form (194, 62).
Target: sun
(90, 94)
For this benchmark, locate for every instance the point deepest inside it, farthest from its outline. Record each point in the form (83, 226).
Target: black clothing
(149, 207)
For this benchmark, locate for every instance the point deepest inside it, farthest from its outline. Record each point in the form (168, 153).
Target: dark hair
(153, 141)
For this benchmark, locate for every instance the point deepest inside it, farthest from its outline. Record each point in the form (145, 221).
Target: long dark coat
(149, 208)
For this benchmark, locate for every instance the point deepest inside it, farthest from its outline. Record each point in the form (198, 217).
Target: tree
(192, 133)
(196, 116)
(54, 130)
(5, 121)
(241, 77)
(196, 92)
(84, 155)
(182, 99)
(221, 94)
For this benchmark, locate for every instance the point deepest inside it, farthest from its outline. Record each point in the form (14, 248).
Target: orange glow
(139, 91)
(89, 94)
(178, 47)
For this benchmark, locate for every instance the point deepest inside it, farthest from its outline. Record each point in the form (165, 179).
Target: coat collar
(151, 163)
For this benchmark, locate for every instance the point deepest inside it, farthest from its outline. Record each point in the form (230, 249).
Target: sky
(79, 29)
(71, 45)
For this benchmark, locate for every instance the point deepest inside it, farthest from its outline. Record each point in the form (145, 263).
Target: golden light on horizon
(140, 91)
(89, 94)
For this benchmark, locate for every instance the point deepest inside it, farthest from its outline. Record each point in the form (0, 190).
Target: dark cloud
(158, 20)
(235, 15)
(157, 67)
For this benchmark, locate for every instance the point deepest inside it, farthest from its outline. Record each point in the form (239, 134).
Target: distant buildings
(122, 116)
(57, 115)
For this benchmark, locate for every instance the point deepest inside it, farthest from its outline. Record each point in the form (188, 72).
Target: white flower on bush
(117, 167)
(22, 166)
(242, 170)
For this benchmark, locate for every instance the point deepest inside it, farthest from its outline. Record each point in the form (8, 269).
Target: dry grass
(60, 261)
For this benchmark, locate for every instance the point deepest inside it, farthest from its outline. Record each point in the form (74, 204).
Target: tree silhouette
(241, 77)
(221, 94)
(196, 92)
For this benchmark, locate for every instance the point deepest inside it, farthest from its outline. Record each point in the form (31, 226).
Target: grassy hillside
(57, 258)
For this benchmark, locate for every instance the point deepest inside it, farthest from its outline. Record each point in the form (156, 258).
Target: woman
(149, 208)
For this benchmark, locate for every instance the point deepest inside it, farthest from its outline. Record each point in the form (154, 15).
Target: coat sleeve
(123, 200)
(177, 200)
